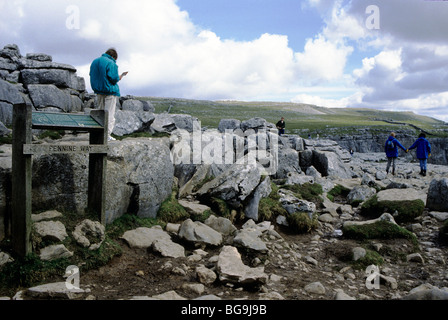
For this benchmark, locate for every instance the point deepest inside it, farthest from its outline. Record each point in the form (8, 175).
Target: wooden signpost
(24, 120)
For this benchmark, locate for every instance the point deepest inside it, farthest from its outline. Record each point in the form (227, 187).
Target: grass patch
(337, 193)
(371, 257)
(407, 210)
(270, 207)
(379, 230)
(6, 140)
(220, 207)
(171, 211)
(300, 222)
(308, 191)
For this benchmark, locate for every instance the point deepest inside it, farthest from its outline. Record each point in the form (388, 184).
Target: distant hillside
(300, 118)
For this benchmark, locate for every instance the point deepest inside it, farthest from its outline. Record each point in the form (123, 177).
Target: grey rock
(205, 275)
(427, 291)
(315, 288)
(52, 230)
(54, 252)
(9, 93)
(168, 248)
(221, 224)
(360, 193)
(358, 253)
(437, 195)
(262, 191)
(90, 234)
(128, 122)
(198, 232)
(229, 124)
(48, 95)
(57, 290)
(231, 269)
(144, 237)
(57, 77)
(234, 185)
(47, 215)
(5, 258)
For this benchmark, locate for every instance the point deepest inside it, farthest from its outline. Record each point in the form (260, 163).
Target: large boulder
(200, 233)
(127, 122)
(437, 195)
(234, 185)
(330, 164)
(139, 178)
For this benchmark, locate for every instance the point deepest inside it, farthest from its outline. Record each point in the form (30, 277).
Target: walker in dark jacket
(392, 152)
(423, 152)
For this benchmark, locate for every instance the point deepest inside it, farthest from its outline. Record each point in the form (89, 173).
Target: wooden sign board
(24, 120)
(31, 149)
(64, 121)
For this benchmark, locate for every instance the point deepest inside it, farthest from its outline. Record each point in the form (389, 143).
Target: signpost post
(24, 120)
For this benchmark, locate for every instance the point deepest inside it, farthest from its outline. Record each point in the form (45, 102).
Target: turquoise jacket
(104, 76)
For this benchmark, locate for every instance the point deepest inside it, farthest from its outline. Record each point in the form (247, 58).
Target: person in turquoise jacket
(391, 148)
(423, 152)
(104, 80)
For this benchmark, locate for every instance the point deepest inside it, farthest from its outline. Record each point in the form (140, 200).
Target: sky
(382, 54)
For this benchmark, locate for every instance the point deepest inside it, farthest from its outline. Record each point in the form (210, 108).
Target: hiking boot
(424, 173)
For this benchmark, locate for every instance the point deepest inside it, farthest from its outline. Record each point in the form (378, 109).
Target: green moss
(220, 207)
(337, 191)
(379, 230)
(308, 191)
(300, 222)
(270, 207)
(128, 222)
(171, 211)
(407, 210)
(371, 257)
(6, 140)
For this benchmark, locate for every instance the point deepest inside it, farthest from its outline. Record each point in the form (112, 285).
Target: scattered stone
(415, 257)
(168, 248)
(56, 290)
(144, 237)
(232, 269)
(51, 230)
(199, 232)
(315, 288)
(358, 253)
(47, 215)
(90, 234)
(205, 275)
(54, 252)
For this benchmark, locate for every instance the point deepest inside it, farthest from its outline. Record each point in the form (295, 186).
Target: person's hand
(124, 74)
(407, 150)
(429, 155)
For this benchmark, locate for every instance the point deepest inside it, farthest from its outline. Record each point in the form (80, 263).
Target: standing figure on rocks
(104, 79)
(423, 152)
(281, 125)
(391, 148)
